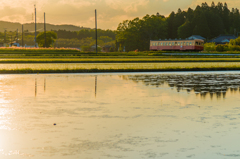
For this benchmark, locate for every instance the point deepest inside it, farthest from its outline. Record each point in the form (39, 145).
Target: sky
(81, 12)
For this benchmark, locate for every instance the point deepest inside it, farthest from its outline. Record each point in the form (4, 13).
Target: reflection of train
(176, 45)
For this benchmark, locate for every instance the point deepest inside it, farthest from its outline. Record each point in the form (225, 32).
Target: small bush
(220, 48)
(111, 49)
(233, 47)
(86, 48)
(209, 47)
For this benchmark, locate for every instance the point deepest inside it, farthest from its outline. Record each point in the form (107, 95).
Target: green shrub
(111, 49)
(220, 48)
(233, 47)
(209, 47)
(86, 48)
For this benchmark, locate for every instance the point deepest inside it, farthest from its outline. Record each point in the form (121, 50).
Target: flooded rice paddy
(116, 66)
(131, 116)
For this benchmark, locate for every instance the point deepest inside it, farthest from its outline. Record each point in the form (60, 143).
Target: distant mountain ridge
(13, 26)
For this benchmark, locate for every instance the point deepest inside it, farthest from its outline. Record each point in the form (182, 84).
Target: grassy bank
(31, 71)
(117, 67)
(114, 60)
(26, 52)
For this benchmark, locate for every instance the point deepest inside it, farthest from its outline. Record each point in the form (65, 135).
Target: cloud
(126, 5)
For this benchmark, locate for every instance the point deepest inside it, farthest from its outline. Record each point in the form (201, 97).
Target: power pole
(5, 36)
(35, 26)
(45, 30)
(17, 36)
(22, 36)
(96, 28)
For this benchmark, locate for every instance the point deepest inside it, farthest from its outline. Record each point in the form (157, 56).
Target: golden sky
(81, 12)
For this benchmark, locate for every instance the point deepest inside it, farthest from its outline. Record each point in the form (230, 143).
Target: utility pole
(17, 36)
(96, 28)
(22, 36)
(35, 25)
(5, 36)
(45, 30)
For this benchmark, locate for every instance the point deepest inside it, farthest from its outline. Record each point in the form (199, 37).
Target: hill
(10, 26)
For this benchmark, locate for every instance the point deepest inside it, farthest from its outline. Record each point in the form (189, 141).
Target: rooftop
(223, 39)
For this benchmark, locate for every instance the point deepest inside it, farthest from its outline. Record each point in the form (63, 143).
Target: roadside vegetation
(232, 47)
(63, 53)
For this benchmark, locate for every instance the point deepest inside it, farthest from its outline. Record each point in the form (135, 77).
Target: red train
(194, 45)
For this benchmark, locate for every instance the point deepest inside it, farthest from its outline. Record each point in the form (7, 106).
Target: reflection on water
(95, 86)
(104, 116)
(204, 85)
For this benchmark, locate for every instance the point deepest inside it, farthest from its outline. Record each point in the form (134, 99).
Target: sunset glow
(81, 12)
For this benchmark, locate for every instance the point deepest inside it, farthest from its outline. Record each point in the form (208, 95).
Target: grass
(118, 67)
(21, 60)
(115, 60)
(74, 52)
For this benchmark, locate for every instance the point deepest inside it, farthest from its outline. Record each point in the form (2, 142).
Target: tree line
(208, 21)
(84, 33)
(73, 39)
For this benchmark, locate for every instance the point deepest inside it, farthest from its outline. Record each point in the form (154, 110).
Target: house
(14, 44)
(195, 37)
(223, 39)
(106, 48)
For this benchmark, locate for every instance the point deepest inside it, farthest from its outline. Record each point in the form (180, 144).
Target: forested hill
(206, 20)
(9, 26)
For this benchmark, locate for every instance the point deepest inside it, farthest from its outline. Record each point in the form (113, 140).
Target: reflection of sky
(125, 119)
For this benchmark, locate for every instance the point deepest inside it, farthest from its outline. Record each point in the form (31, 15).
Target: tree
(170, 20)
(215, 24)
(185, 30)
(50, 38)
(201, 27)
(137, 33)
(225, 17)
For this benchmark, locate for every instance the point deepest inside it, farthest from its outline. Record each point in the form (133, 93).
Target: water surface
(160, 115)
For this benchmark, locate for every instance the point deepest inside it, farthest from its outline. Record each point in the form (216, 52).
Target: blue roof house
(194, 37)
(223, 39)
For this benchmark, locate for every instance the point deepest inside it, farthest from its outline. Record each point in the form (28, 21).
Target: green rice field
(114, 60)
(115, 67)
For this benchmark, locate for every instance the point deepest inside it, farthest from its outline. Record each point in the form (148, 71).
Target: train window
(190, 43)
(181, 43)
(187, 43)
(158, 43)
(173, 43)
(153, 44)
(163, 44)
(170, 43)
(166, 44)
(196, 43)
(178, 43)
(184, 43)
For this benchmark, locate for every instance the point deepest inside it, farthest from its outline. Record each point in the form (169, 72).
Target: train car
(177, 45)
